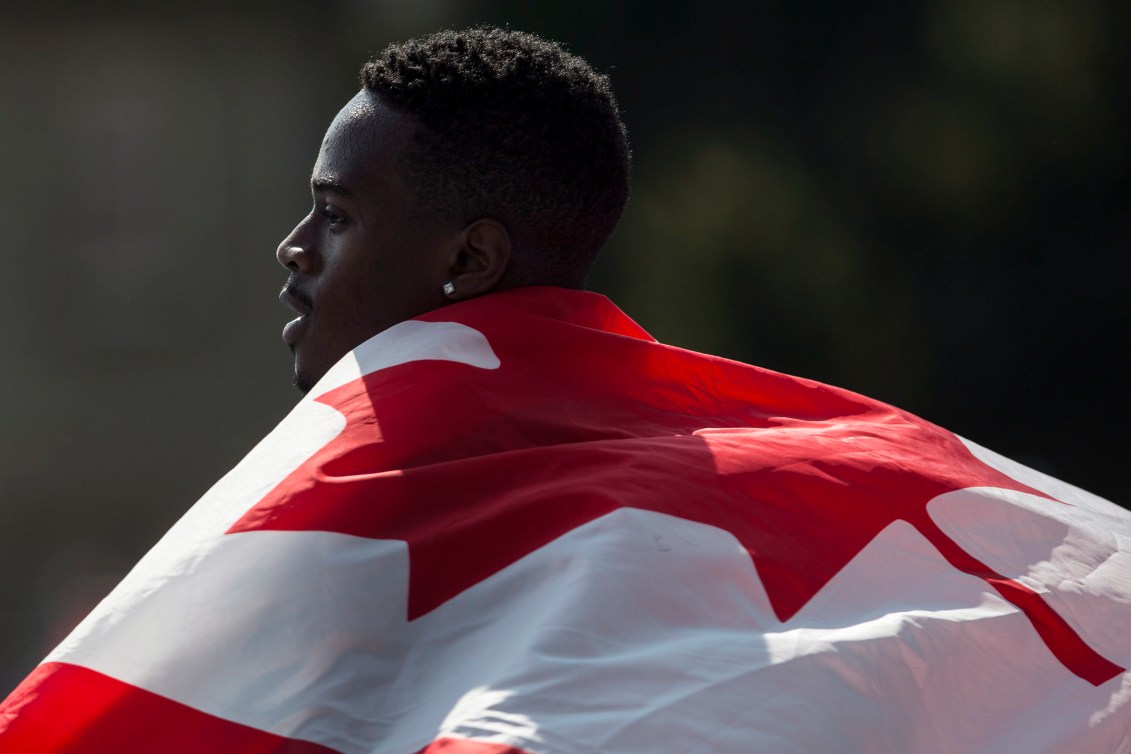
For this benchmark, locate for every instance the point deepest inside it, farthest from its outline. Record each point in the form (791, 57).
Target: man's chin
(304, 380)
(312, 361)
(303, 384)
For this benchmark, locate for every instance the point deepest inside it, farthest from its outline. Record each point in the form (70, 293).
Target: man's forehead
(363, 107)
(362, 143)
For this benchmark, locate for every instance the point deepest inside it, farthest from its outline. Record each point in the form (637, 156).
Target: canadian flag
(520, 525)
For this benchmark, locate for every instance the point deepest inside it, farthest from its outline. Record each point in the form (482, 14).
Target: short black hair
(516, 128)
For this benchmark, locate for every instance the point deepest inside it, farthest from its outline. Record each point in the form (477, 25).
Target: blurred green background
(925, 201)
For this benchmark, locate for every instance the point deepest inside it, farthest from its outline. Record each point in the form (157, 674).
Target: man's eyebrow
(329, 186)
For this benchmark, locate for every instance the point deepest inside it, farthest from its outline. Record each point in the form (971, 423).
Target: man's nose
(296, 252)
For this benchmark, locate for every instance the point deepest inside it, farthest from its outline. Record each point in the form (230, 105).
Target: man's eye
(331, 216)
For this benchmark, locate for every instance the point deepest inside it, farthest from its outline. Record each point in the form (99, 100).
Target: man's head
(485, 158)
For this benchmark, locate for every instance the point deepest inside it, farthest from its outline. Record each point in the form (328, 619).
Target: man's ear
(479, 260)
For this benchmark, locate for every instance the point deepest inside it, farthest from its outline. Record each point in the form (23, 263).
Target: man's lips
(295, 299)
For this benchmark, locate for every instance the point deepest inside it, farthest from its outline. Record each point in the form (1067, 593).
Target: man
(505, 520)
(424, 182)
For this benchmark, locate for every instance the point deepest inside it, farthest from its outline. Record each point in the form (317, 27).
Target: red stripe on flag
(1062, 640)
(1060, 637)
(67, 709)
(463, 746)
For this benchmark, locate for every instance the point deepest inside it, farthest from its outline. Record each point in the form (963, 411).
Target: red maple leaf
(476, 468)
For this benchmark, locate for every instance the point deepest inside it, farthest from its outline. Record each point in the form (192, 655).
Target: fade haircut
(513, 127)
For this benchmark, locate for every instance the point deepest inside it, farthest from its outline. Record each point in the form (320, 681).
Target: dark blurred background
(925, 201)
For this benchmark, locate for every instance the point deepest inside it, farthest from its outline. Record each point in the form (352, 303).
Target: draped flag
(519, 525)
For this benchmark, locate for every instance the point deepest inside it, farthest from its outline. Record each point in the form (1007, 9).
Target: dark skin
(365, 258)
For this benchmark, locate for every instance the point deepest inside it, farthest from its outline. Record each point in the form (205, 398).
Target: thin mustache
(292, 288)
